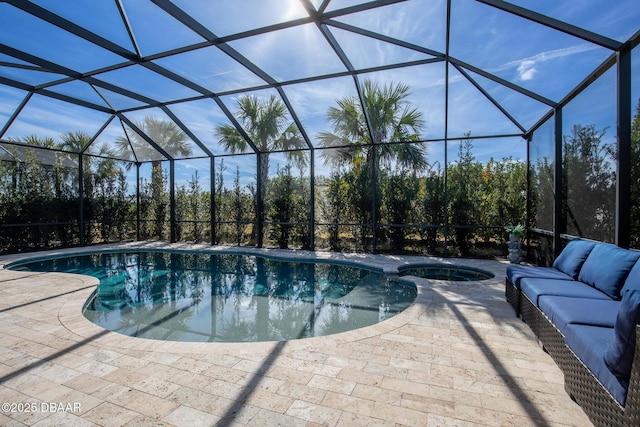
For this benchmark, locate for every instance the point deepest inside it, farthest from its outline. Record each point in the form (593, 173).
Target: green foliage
(288, 209)
(144, 207)
(391, 120)
(589, 184)
(516, 230)
(399, 192)
(238, 206)
(267, 125)
(37, 193)
(190, 201)
(134, 146)
(541, 193)
(480, 198)
(301, 211)
(360, 203)
(181, 212)
(11, 202)
(432, 208)
(282, 206)
(196, 205)
(504, 180)
(363, 142)
(241, 204)
(221, 202)
(159, 203)
(332, 204)
(465, 181)
(343, 199)
(164, 133)
(109, 201)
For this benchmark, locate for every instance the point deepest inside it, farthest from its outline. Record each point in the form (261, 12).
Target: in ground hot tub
(445, 272)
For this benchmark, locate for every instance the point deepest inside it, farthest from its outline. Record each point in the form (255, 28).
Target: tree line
(411, 206)
(379, 173)
(588, 208)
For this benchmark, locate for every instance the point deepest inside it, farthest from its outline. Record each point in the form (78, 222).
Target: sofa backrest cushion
(633, 279)
(573, 256)
(607, 267)
(619, 354)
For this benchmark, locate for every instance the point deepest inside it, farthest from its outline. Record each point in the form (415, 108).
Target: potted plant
(515, 232)
(515, 247)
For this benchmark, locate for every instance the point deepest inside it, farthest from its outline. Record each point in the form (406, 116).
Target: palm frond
(74, 141)
(46, 142)
(267, 124)
(231, 139)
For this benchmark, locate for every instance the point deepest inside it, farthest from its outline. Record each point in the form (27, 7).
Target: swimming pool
(221, 297)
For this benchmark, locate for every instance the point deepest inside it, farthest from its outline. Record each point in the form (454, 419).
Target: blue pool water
(229, 297)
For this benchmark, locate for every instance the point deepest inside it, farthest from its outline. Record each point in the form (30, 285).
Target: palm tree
(74, 141)
(392, 120)
(46, 142)
(268, 128)
(390, 126)
(164, 133)
(172, 140)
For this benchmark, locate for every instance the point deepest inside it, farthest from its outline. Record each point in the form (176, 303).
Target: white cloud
(526, 70)
(527, 67)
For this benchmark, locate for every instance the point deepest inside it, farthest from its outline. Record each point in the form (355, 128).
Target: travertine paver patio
(458, 356)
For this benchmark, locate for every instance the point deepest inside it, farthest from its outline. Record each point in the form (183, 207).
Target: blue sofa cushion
(533, 288)
(573, 256)
(516, 272)
(619, 354)
(589, 343)
(607, 267)
(563, 311)
(633, 279)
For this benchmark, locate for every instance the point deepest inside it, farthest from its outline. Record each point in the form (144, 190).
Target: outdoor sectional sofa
(585, 311)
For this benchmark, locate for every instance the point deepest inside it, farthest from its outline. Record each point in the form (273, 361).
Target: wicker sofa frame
(579, 382)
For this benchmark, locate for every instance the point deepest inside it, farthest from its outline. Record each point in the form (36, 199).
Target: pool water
(230, 297)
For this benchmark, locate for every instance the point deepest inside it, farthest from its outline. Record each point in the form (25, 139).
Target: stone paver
(457, 357)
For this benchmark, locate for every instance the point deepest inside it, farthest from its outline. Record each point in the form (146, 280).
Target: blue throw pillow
(619, 355)
(573, 256)
(606, 268)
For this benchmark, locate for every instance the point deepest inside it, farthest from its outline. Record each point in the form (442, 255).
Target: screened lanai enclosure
(418, 126)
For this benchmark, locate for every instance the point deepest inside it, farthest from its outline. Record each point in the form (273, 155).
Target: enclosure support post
(81, 198)
(312, 202)
(137, 201)
(446, 132)
(212, 200)
(527, 219)
(558, 217)
(172, 200)
(374, 207)
(259, 201)
(623, 168)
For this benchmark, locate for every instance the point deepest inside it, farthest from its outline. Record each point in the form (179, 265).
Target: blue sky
(523, 53)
